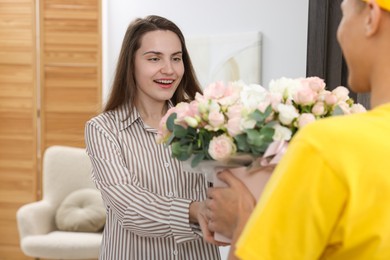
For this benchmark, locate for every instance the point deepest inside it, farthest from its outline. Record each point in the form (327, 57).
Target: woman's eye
(154, 59)
(177, 58)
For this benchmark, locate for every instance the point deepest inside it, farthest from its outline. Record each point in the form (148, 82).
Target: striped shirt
(145, 191)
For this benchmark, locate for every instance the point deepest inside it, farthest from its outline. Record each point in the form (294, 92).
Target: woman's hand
(198, 216)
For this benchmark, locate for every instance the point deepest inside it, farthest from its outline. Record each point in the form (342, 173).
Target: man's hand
(226, 207)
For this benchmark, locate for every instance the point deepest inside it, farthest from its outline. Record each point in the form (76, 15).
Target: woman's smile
(165, 83)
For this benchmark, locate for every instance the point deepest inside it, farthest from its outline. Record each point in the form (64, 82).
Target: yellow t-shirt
(329, 197)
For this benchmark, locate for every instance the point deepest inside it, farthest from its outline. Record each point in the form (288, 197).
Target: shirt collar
(125, 116)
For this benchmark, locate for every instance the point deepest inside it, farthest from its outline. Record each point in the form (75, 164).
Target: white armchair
(65, 170)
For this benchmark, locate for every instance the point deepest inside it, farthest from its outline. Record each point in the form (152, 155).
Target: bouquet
(247, 127)
(236, 123)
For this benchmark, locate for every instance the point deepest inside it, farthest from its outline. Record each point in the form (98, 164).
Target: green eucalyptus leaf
(267, 131)
(242, 144)
(184, 157)
(258, 116)
(197, 159)
(337, 111)
(252, 136)
(179, 131)
(181, 152)
(170, 139)
(176, 149)
(258, 141)
(306, 109)
(171, 121)
(191, 131)
(189, 148)
(268, 111)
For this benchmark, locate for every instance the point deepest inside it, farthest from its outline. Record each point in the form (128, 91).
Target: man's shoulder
(335, 125)
(332, 132)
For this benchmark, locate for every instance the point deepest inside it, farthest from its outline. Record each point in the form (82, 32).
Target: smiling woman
(152, 207)
(158, 72)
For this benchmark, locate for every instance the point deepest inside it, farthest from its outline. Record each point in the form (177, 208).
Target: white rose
(191, 121)
(287, 113)
(252, 95)
(247, 123)
(285, 86)
(357, 108)
(281, 133)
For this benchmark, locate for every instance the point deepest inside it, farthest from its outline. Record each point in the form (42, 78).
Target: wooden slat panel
(72, 10)
(67, 128)
(16, 7)
(12, 253)
(18, 143)
(71, 66)
(71, 76)
(12, 238)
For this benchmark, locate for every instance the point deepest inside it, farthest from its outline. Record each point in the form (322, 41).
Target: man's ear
(373, 18)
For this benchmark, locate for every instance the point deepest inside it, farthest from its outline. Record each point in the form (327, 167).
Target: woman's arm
(139, 210)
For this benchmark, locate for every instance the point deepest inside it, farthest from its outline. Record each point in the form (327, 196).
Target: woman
(153, 208)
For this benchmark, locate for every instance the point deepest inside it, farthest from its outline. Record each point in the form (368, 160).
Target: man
(329, 197)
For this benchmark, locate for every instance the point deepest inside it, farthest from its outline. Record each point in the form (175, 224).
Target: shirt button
(166, 165)
(175, 252)
(170, 194)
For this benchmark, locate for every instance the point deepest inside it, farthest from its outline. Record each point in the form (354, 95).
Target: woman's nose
(167, 68)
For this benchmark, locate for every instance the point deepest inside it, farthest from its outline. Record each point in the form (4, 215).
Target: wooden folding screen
(50, 85)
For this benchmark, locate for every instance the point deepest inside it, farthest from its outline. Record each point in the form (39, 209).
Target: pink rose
(193, 109)
(215, 90)
(318, 109)
(230, 96)
(221, 147)
(315, 83)
(234, 115)
(162, 132)
(216, 119)
(233, 126)
(234, 111)
(330, 98)
(342, 93)
(305, 96)
(182, 110)
(305, 119)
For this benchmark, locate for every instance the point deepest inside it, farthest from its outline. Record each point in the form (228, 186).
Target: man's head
(384, 4)
(364, 35)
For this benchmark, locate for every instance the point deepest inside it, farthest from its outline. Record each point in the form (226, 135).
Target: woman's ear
(373, 18)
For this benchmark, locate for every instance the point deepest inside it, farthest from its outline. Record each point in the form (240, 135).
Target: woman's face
(351, 37)
(159, 66)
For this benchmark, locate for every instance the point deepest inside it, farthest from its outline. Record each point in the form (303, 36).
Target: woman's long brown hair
(124, 87)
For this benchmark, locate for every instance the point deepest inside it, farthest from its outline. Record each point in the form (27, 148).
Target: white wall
(283, 25)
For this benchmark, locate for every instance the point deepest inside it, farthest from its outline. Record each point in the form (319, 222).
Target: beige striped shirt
(145, 191)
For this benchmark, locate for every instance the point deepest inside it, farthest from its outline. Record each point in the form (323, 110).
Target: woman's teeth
(164, 81)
